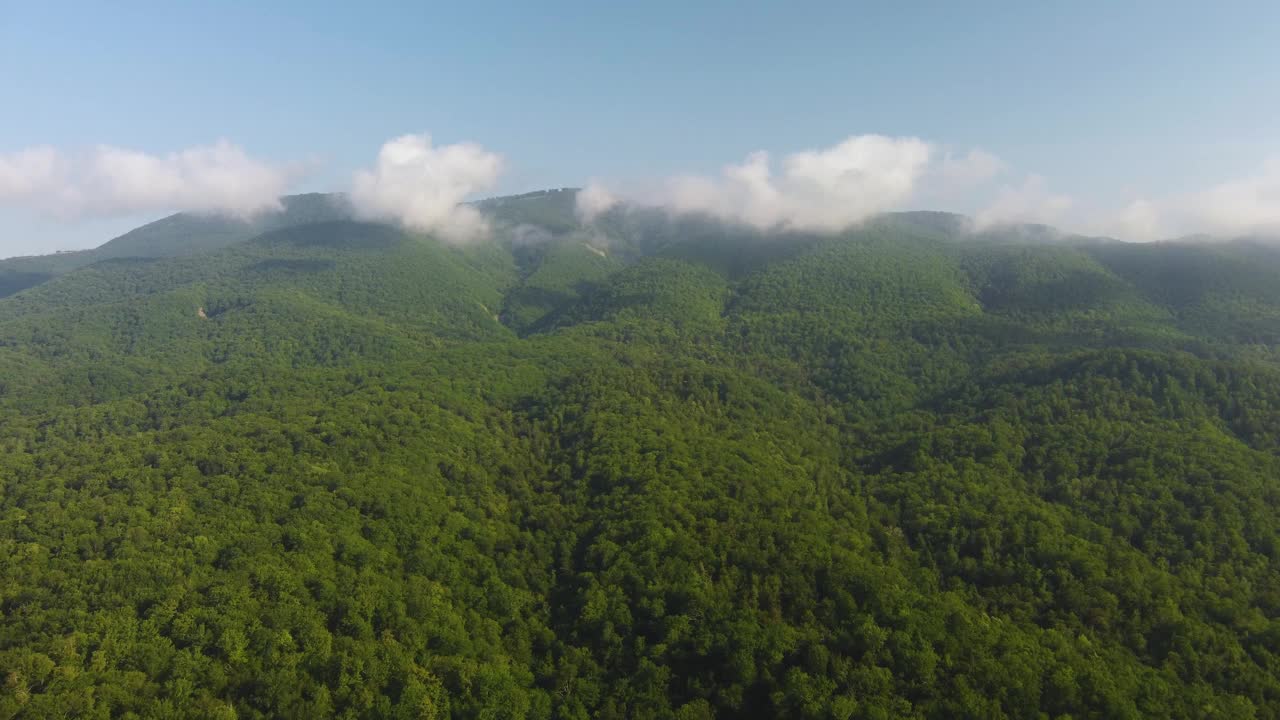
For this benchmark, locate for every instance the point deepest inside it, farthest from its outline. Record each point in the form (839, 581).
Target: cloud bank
(826, 189)
(593, 200)
(836, 187)
(819, 190)
(1029, 202)
(422, 186)
(1248, 205)
(1242, 206)
(965, 171)
(109, 181)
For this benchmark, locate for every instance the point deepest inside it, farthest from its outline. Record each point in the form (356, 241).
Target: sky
(1140, 119)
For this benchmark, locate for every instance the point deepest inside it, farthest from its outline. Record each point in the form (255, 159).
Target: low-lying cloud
(1242, 206)
(836, 187)
(1248, 205)
(593, 200)
(968, 170)
(108, 181)
(425, 187)
(422, 186)
(1029, 202)
(825, 189)
(525, 234)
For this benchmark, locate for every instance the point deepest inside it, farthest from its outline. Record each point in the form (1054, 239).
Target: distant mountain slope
(176, 235)
(307, 295)
(551, 211)
(1227, 290)
(190, 234)
(555, 275)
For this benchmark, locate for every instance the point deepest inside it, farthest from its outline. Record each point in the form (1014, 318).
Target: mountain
(650, 466)
(176, 235)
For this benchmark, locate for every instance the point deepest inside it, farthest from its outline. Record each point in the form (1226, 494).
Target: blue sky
(1104, 103)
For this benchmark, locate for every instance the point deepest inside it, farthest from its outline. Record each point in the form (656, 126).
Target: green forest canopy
(651, 467)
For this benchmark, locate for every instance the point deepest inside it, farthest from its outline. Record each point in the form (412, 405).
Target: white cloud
(1247, 205)
(954, 181)
(525, 234)
(1242, 206)
(973, 168)
(826, 189)
(109, 181)
(1139, 220)
(422, 187)
(836, 187)
(1029, 202)
(30, 173)
(593, 200)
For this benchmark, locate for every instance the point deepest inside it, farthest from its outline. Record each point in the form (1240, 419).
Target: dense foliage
(645, 468)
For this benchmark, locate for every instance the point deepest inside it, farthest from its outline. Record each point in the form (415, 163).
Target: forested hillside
(646, 467)
(176, 235)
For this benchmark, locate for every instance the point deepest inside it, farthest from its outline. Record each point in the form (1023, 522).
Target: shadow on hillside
(15, 282)
(341, 234)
